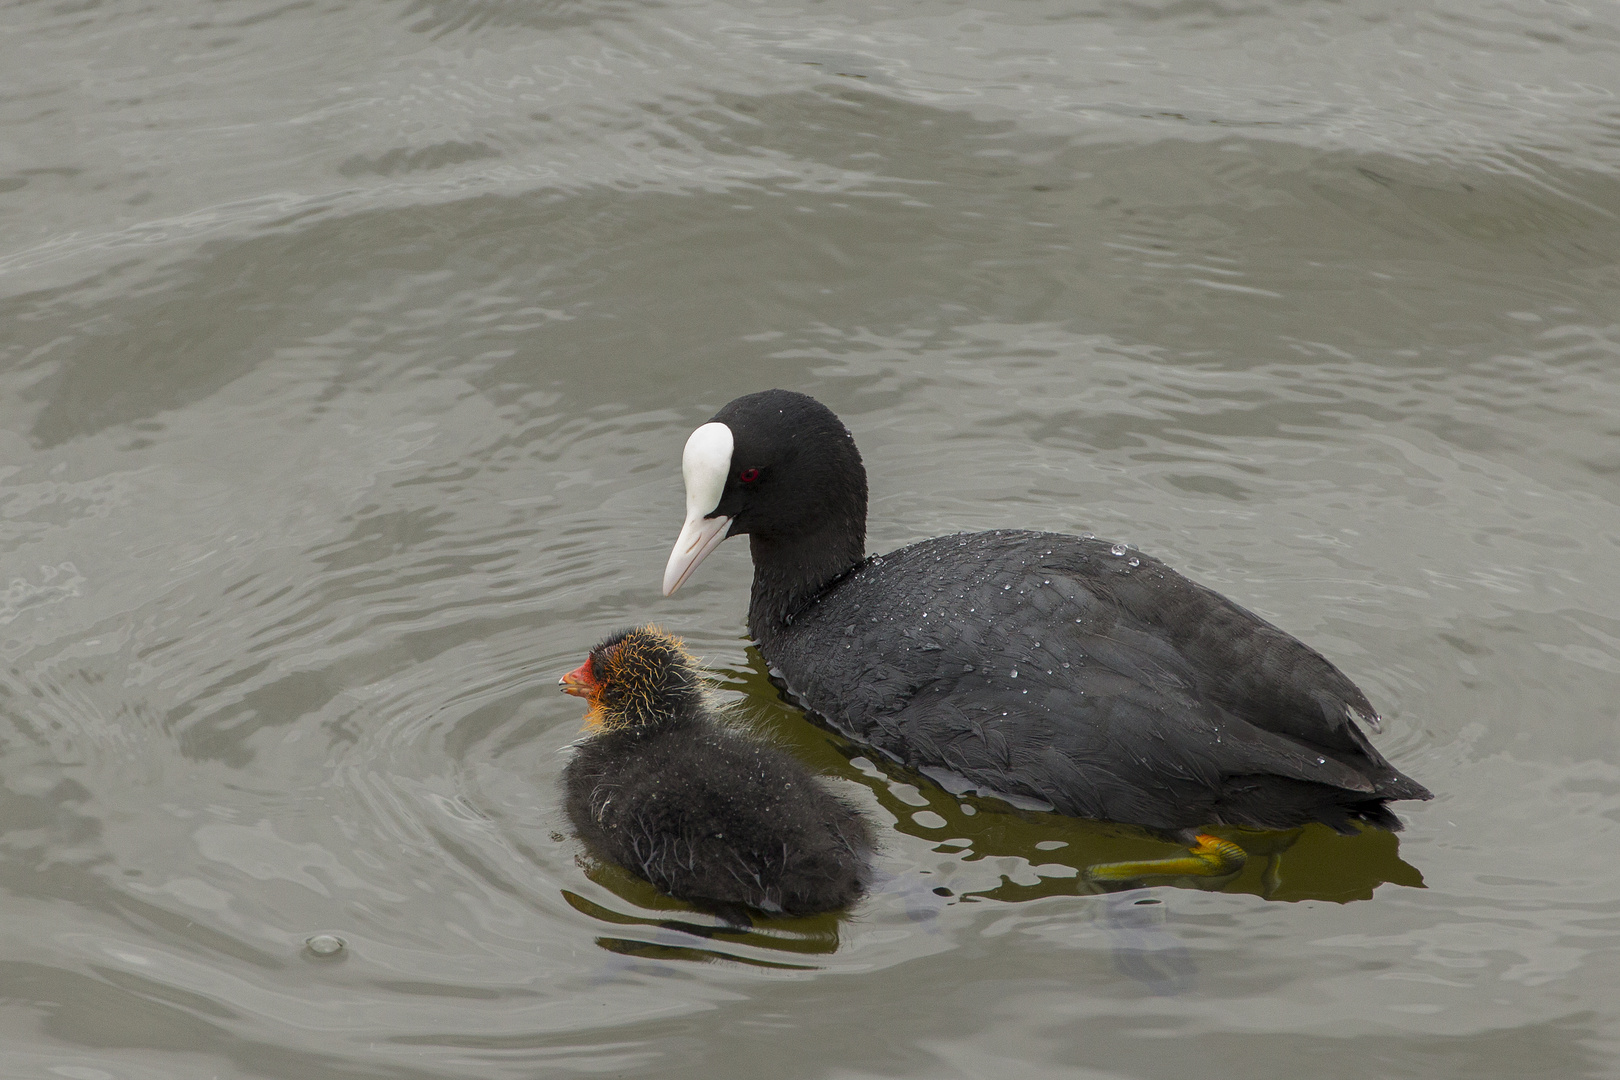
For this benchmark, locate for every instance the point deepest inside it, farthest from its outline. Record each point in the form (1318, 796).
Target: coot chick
(705, 813)
(1069, 671)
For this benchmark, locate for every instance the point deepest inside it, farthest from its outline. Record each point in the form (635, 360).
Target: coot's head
(781, 467)
(637, 678)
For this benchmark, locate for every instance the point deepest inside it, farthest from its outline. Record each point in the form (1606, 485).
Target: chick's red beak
(579, 681)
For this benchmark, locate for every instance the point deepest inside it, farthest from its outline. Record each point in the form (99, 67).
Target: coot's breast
(1071, 671)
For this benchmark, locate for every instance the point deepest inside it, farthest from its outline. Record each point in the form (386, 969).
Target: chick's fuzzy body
(710, 815)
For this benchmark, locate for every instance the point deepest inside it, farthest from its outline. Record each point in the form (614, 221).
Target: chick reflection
(1053, 852)
(700, 811)
(656, 926)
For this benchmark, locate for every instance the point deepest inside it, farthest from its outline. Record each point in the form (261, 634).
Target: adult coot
(703, 812)
(1066, 670)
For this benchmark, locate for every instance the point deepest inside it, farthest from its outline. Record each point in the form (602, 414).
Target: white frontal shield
(705, 465)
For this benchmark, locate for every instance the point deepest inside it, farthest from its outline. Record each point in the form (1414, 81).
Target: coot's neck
(790, 571)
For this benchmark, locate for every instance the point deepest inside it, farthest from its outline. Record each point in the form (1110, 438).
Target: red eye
(748, 476)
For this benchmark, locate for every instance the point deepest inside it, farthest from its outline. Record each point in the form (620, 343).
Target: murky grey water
(346, 355)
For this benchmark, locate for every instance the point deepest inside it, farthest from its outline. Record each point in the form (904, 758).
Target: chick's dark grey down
(711, 816)
(704, 812)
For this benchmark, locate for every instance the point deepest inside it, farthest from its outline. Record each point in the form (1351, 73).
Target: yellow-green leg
(1211, 857)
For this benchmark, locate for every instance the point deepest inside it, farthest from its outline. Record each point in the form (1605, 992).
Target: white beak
(699, 536)
(704, 466)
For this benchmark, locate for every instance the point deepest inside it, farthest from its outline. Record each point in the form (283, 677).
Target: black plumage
(704, 812)
(1039, 665)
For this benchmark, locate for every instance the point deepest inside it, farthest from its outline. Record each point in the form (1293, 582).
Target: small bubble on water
(325, 945)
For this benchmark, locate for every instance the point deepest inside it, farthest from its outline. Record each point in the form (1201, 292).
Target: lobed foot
(1212, 857)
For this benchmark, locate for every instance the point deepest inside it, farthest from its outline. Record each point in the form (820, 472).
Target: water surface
(346, 355)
